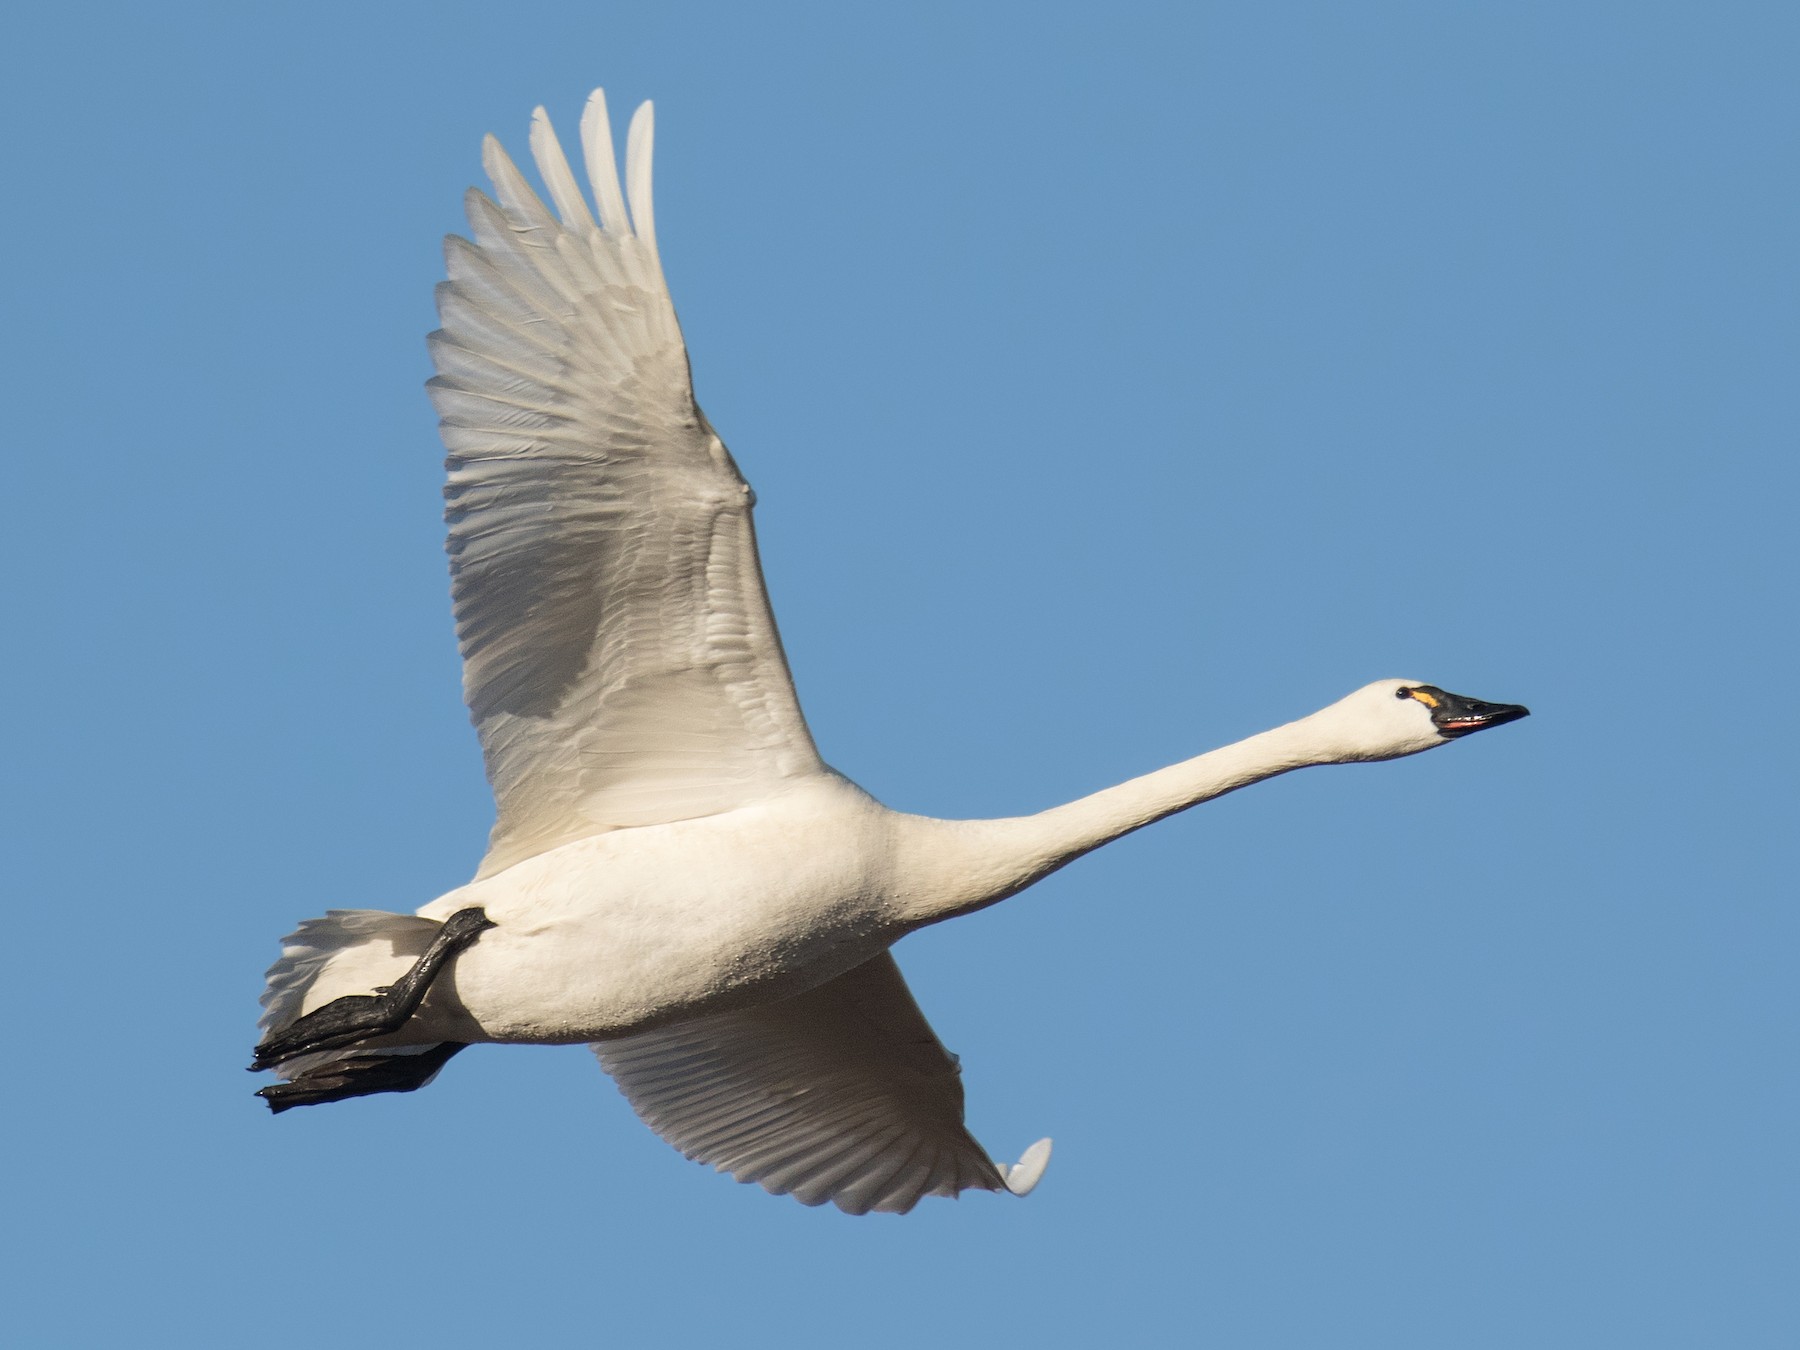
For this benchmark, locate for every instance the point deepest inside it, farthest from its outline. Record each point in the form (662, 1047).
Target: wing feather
(551, 162)
(639, 140)
(843, 1093)
(620, 660)
(602, 169)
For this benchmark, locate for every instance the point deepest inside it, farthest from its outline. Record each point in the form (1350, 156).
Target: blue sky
(1116, 381)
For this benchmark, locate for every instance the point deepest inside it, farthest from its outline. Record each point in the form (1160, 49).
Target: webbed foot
(360, 1076)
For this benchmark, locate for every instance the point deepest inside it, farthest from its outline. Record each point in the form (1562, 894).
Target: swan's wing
(842, 1093)
(620, 661)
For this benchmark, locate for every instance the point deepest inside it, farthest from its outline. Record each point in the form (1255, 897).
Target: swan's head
(1391, 718)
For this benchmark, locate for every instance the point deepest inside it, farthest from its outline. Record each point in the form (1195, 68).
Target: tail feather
(360, 948)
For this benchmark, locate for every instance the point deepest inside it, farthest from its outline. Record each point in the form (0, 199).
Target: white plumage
(674, 875)
(841, 1093)
(619, 657)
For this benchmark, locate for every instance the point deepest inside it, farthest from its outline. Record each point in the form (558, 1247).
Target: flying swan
(674, 875)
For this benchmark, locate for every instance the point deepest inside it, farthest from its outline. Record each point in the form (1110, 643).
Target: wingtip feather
(602, 164)
(640, 141)
(1023, 1176)
(515, 194)
(553, 167)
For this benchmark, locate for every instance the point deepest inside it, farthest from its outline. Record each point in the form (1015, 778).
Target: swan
(675, 877)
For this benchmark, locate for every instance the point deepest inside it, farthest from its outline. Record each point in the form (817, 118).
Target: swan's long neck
(969, 864)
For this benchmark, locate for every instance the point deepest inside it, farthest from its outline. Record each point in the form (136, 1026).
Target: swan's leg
(356, 1017)
(359, 1076)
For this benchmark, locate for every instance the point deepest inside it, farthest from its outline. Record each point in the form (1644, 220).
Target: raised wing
(620, 661)
(842, 1093)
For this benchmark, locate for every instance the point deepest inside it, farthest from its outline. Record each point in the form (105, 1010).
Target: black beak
(1454, 715)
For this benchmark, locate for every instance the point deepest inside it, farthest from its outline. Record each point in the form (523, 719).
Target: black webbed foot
(360, 1076)
(356, 1017)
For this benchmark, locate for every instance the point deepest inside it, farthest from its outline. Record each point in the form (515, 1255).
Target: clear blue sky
(1117, 381)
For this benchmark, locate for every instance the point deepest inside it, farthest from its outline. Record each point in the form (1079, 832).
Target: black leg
(356, 1017)
(360, 1076)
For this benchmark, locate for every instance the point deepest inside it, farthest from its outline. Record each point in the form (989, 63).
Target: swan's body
(674, 873)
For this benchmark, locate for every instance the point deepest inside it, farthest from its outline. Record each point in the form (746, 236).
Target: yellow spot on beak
(1423, 697)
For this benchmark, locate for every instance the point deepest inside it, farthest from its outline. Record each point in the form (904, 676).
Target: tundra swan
(674, 875)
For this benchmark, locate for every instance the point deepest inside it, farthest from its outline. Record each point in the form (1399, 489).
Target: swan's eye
(1402, 692)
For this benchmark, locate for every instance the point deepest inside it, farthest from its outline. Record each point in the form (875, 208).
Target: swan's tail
(348, 951)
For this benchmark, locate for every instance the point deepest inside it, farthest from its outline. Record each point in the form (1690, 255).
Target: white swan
(675, 875)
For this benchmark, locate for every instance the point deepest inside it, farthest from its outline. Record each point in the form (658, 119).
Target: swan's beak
(1454, 715)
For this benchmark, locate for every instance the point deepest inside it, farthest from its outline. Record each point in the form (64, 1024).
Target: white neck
(952, 867)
